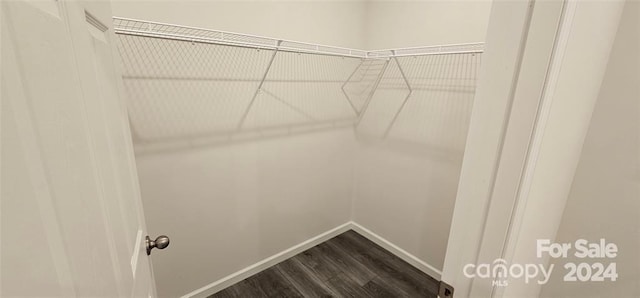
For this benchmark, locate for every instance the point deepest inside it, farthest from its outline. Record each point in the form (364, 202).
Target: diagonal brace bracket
(255, 94)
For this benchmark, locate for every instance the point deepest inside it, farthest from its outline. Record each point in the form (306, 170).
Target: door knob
(160, 243)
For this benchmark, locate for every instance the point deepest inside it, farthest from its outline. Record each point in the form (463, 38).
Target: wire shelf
(462, 48)
(135, 27)
(178, 89)
(424, 99)
(186, 83)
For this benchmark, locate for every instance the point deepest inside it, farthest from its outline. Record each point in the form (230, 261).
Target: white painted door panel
(72, 221)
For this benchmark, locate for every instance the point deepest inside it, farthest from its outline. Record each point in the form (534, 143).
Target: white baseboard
(399, 252)
(229, 280)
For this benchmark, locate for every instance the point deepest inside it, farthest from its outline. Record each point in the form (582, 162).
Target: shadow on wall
(193, 94)
(413, 134)
(423, 101)
(185, 94)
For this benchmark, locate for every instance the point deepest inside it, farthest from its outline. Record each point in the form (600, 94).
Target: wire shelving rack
(188, 82)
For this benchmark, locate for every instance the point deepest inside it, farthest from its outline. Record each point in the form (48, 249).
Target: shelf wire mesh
(303, 88)
(430, 105)
(186, 82)
(185, 89)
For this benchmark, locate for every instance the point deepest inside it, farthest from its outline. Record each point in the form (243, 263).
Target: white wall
(362, 24)
(398, 24)
(405, 186)
(337, 23)
(604, 201)
(227, 207)
(406, 196)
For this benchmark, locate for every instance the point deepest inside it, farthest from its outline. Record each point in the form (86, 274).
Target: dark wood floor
(347, 265)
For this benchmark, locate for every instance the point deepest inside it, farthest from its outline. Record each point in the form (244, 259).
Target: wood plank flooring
(348, 265)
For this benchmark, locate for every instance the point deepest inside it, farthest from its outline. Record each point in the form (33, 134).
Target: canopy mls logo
(501, 272)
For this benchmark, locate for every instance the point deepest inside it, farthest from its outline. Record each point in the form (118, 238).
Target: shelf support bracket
(258, 89)
(355, 110)
(373, 90)
(404, 102)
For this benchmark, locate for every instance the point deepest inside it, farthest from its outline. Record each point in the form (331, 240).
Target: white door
(71, 215)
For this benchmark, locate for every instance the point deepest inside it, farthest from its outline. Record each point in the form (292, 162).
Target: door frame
(531, 113)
